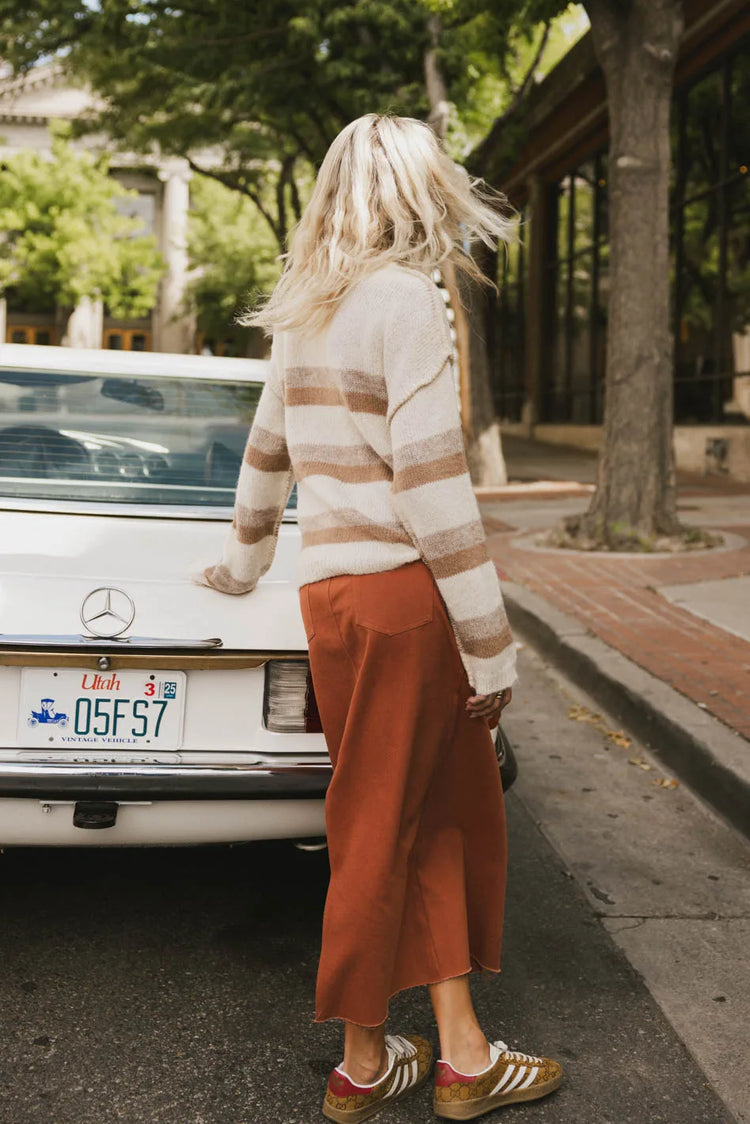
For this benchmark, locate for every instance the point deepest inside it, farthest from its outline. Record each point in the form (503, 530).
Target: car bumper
(29, 822)
(60, 781)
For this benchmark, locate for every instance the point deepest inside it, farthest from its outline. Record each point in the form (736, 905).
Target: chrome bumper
(49, 781)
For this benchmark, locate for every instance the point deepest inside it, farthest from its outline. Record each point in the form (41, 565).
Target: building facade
(552, 310)
(27, 106)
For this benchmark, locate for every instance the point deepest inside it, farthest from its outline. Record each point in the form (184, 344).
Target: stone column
(85, 324)
(174, 328)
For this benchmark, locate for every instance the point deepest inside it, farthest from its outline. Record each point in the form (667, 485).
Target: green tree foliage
(62, 236)
(233, 255)
(253, 93)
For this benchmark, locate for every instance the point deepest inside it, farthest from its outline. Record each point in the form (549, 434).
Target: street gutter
(699, 749)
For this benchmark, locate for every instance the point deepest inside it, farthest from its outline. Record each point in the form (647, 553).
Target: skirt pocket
(394, 601)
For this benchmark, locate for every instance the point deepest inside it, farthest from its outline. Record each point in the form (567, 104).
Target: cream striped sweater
(365, 417)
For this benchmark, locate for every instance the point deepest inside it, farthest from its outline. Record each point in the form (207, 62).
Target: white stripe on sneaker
(414, 1071)
(391, 1092)
(530, 1078)
(504, 1079)
(516, 1080)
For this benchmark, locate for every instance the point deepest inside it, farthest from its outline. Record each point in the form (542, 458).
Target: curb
(699, 749)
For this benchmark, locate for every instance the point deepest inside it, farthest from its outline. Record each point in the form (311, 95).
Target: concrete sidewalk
(662, 640)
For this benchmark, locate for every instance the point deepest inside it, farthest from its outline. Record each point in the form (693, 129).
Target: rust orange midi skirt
(414, 811)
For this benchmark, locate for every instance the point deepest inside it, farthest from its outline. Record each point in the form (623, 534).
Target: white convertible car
(135, 706)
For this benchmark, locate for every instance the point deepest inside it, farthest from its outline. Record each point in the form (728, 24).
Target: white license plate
(76, 708)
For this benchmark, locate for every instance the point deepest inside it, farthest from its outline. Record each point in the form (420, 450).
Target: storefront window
(710, 268)
(711, 213)
(508, 382)
(577, 276)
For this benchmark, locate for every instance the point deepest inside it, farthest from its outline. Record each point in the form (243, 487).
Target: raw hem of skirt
(475, 966)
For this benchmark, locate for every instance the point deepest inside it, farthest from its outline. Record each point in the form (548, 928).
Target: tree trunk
(484, 445)
(637, 45)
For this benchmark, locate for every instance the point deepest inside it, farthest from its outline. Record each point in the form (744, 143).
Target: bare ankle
(466, 1049)
(366, 1069)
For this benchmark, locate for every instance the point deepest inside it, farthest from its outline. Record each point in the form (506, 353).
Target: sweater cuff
(488, 676)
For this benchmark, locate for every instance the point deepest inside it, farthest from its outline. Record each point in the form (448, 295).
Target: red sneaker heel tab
(341, 1086)
(445, 1075)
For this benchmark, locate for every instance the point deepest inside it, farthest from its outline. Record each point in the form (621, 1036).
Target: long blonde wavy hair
(386, 192)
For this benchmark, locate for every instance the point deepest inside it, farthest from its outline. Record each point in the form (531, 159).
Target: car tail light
(290, 706)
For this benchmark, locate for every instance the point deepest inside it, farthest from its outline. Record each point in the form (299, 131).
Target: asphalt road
(175, 986)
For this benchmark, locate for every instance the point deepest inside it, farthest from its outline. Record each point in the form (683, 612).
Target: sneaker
(409, 1060)
(510, 1077)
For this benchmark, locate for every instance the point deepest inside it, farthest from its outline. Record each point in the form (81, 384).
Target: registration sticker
(71, 707)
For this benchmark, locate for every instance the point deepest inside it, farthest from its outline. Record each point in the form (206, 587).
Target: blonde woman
(410, 652)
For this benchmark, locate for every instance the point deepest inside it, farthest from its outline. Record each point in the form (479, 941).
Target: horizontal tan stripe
(366, 403)
(477, 628)
(486, 647)
(267, 441)
(352, 380)
(370, 532)
(346, 473)
(452, 539)
(442, 468)
(313, 396)
(430, 448)
(251, 524)
(336, 454)
(460, 561)
(266, 462)
(357, 403)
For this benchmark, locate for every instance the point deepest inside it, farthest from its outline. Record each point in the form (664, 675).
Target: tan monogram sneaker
(510, 1077)
(409, 1060)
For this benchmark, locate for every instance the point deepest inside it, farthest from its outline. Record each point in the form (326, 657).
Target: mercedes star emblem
(107, 611)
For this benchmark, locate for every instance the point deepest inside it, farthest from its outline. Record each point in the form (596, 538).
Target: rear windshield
(99, 438)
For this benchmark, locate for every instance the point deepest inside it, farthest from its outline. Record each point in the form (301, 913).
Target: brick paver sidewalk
(617, 600)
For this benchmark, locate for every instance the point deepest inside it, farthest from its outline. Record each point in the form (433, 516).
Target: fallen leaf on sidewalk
(578, 713)
(640, 763)
(583, 714)
(666, 782)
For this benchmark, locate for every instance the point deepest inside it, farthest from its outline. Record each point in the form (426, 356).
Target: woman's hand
(489, 706)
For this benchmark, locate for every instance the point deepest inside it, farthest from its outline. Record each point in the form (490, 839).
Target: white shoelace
(516, 1055)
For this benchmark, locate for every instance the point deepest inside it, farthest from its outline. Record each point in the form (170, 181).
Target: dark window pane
(580, 343)
(563, 213)
(702, 134)
(738, 298)
(585, 184)
(739, 131)
(561, 328)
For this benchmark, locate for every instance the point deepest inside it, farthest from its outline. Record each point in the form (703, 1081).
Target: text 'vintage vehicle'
(137, 707)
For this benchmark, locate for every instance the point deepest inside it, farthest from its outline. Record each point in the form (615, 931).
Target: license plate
(76, 708)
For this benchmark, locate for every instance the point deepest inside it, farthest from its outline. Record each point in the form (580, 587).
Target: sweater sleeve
(263, 488)
(434, 498)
